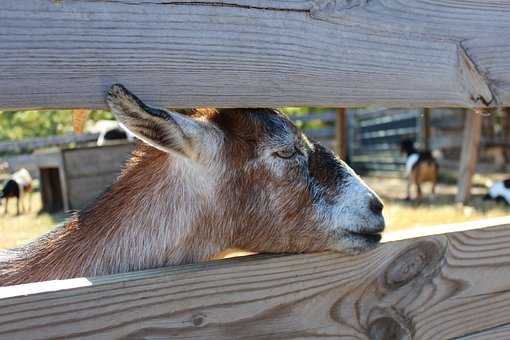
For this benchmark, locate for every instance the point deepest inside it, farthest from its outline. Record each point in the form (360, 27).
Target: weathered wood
(425, 129)
(84, 191)
(51, 189)
(91, 170)
(341, 135)
(469, 154)
(436, 287)
(96, 160)
(255, 53)
(30, 144)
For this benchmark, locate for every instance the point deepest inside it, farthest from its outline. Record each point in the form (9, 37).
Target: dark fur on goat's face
(274, 189)
(299, 195)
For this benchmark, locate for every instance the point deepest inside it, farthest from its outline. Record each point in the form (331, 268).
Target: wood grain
(241, 53)
(342, 134)
(469, 154)
(436, 287)
(90, 170)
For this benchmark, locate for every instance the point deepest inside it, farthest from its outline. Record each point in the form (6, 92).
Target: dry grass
(18, 230)
(401, 214)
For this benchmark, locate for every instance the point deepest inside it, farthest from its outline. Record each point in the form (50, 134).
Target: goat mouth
(368, 237)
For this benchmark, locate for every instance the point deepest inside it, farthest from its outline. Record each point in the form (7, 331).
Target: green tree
(15, 125)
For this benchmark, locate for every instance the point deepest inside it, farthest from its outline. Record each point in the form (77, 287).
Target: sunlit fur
(203, 182)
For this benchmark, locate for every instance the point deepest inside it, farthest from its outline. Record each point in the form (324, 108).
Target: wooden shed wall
(90, 170)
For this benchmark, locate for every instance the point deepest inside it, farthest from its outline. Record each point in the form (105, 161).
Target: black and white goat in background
(421, 167)
(500, 191)
(17, 186)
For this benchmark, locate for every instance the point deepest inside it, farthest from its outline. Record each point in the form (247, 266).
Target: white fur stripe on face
(350, 211)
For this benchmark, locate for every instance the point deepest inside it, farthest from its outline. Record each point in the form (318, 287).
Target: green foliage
(96, 115)
(301, 111)
(16, 125)
(296, 112)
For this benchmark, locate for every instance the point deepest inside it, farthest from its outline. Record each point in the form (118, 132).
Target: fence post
(469, 153)
(425, 129)
(341, 134)
(80, 119)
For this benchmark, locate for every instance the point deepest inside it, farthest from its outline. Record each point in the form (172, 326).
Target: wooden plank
(30, 144)
(84, 190)
(469, 154)
(435, 287)
(51, 190)
(57, 54)
(88, 171)
(341, 134)
(96, 160)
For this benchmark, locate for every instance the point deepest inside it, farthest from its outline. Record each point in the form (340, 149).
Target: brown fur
(196, 200)
(93, 237)
(424, 172)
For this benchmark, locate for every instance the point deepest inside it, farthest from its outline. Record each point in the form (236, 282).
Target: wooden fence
(372, 136)
(31, 144)
(243, 53)
(65, 54)
(89, 171)
(375, 137)
(452, 286)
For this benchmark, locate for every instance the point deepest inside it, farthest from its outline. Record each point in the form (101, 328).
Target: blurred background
(68, 169)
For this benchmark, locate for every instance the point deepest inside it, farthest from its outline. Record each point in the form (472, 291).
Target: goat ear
(166, 131)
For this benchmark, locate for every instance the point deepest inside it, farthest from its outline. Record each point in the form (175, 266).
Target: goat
(202, 183)
(421, 167)
(19, 185)
(111, 130)
(500, 191)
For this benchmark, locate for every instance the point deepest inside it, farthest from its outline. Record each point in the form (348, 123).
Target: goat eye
(286, 153)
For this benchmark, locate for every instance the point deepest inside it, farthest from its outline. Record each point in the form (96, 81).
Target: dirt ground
(441, 209)
(18, 230)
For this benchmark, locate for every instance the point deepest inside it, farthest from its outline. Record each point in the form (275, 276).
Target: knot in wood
(387, 329)
(412, 262)
(198, 320)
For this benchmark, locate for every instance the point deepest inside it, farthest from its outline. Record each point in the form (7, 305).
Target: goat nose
(376, 206)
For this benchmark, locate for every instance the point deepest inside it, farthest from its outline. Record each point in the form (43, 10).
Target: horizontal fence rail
(238, 53)
(435, 287)
(375, 138)
(30, 144)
